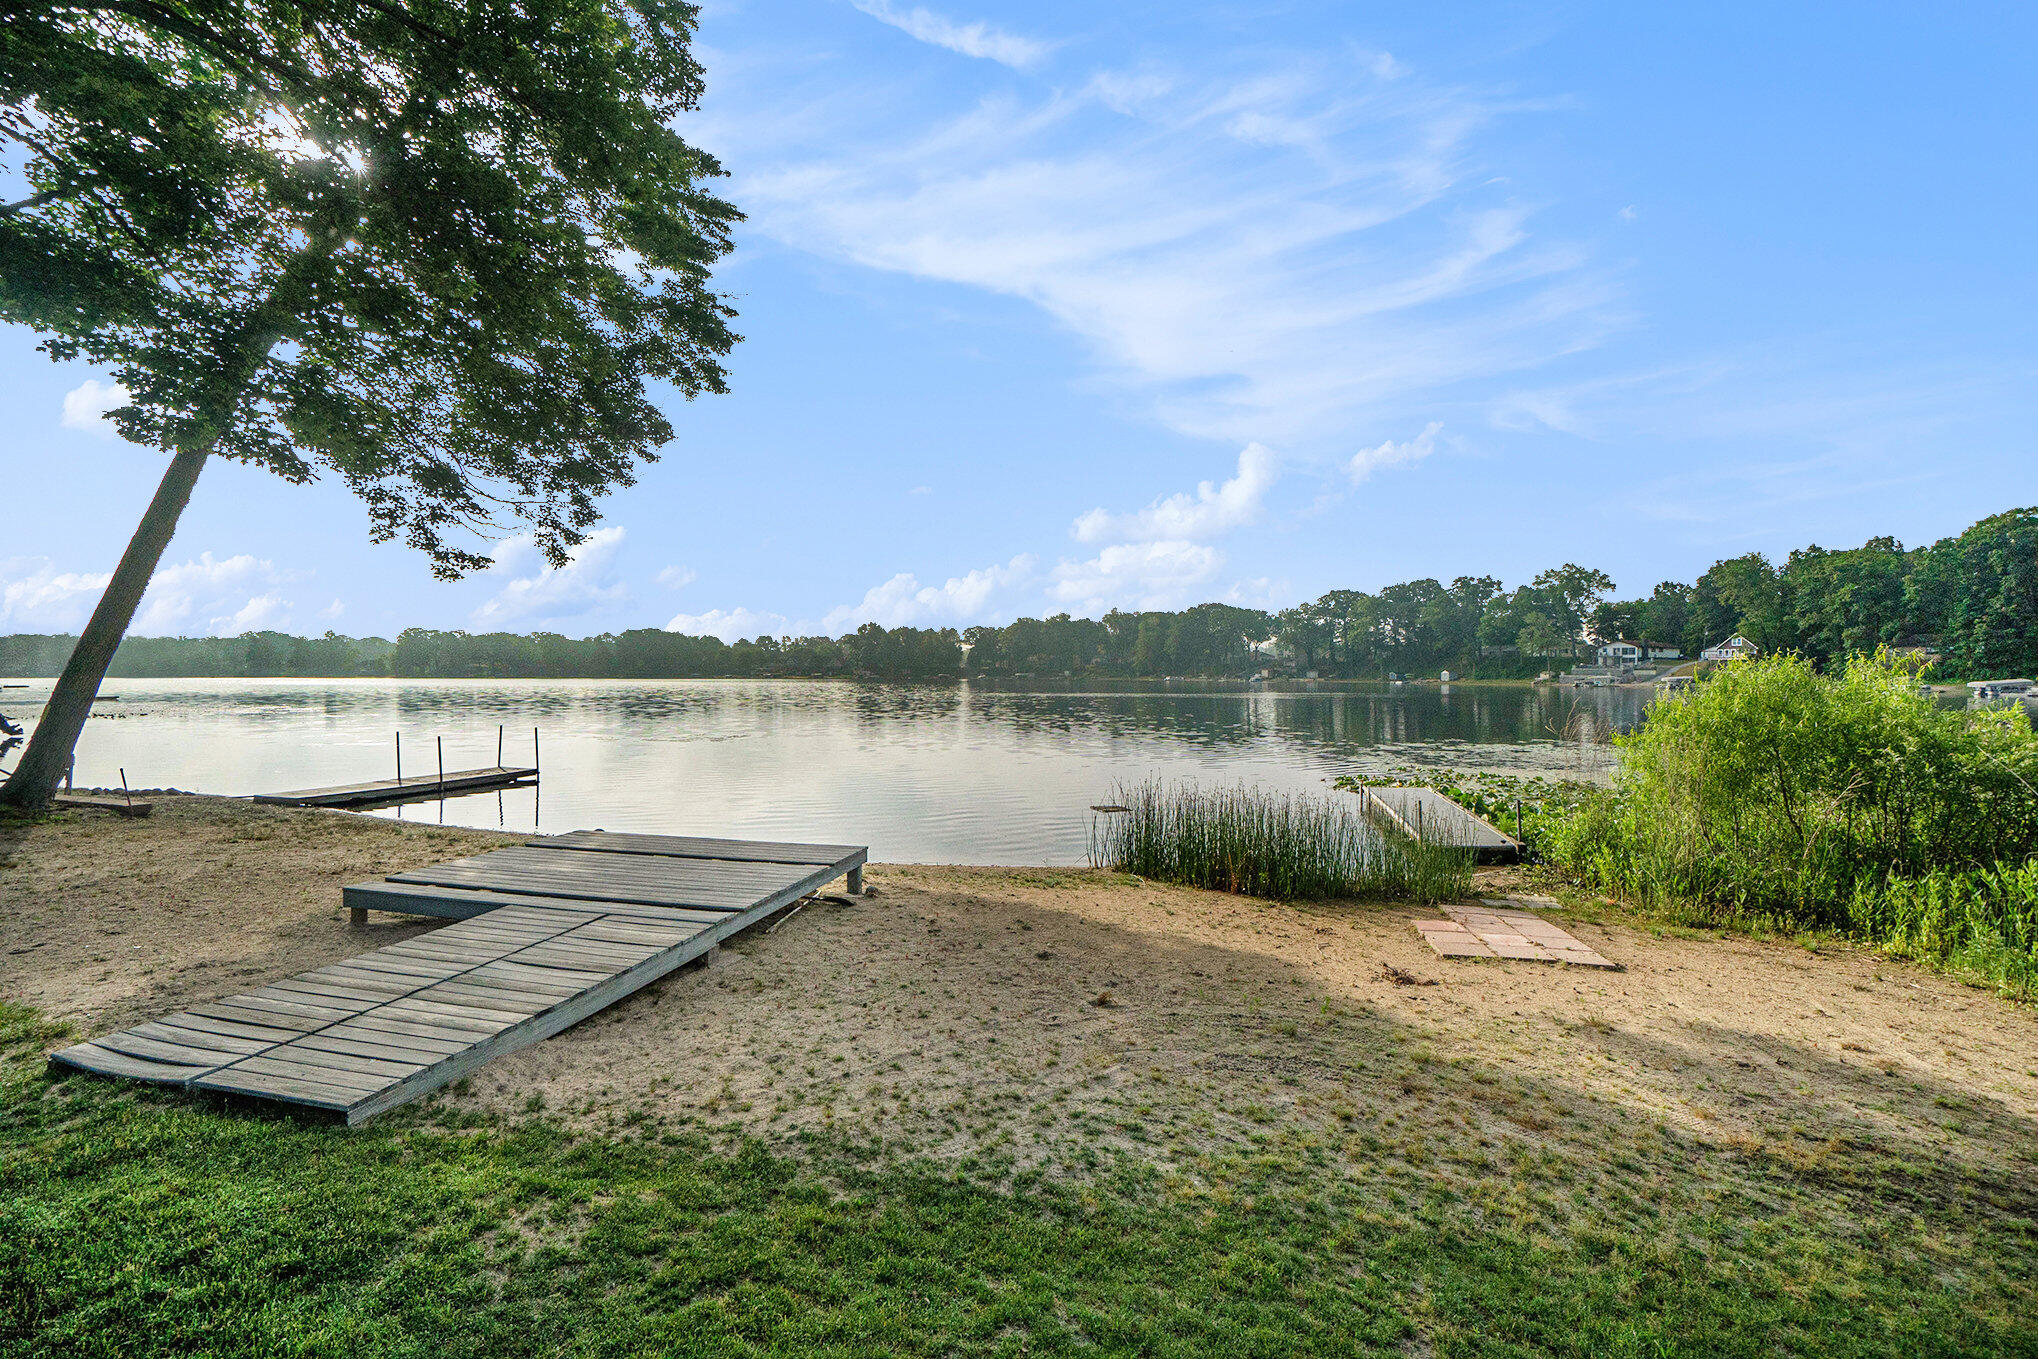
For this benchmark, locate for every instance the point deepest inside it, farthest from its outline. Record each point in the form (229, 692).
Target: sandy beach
(1036, 1013)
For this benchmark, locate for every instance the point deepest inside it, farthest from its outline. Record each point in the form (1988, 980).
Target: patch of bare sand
(1036, 1013)
(1043, 1015)
(106, 921)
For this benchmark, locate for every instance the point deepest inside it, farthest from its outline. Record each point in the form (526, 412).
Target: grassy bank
(137, 1222)
(1269, 844)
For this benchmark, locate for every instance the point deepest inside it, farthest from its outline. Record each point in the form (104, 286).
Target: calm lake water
(970, 773)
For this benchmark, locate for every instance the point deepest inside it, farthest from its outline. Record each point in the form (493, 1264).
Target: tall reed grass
(1268, 844)
(1982, 923)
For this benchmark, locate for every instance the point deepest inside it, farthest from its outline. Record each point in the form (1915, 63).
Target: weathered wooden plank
(265, 1015)
(704, 847)
(105, 1062)
(287, 1002)
(565, 953)
(447, 1010)
(319, 991)
(406, 790)
(230, 1028)
(564, 979)
(418, 971)
(201, 1039)
(130, 1044)
(358, 1083)
(396, 1047)
(391, 1026)
(364, 1065)
(518, 1003)
(239, 1080)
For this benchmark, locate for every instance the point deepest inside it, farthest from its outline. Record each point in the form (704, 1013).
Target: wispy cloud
(1212, 510)
(535, 592)
(979, 39)
(1388, 453)
(1291, 255)
(677, 577)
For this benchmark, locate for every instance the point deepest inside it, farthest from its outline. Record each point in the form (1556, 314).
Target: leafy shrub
(1269, 844)
(1775, 792)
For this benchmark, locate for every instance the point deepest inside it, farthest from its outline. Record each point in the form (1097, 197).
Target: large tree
(434, 249)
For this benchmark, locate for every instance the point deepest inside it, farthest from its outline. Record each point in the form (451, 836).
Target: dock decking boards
(1426, 813)
(403, 790)
(538, 948)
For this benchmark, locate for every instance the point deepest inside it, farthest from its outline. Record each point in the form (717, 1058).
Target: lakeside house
(1735, 648)
(1618, 654)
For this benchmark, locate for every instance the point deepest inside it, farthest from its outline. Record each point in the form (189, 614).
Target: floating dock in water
(1425, 814)
(549, 932)
(380, 792)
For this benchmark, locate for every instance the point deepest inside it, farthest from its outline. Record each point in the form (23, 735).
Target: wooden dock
(380, 792)
(1425, 814)
(549, 932)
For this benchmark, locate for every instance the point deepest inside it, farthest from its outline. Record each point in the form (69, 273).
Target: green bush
(1775, 792)
(1266, 844)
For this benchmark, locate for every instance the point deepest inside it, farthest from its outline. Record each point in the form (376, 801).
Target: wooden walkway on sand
(1425, 814)
(549, 932)
(380, 791)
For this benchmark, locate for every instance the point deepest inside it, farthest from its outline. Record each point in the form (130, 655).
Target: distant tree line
(1974, 597)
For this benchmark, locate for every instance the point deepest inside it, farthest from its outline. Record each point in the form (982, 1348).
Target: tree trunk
(34, 781)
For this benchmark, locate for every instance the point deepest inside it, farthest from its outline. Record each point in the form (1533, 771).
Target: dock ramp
(549, 932)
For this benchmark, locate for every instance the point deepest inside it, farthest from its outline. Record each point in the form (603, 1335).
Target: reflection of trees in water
(1215, 721)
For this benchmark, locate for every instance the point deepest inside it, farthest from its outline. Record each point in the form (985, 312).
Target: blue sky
(1052, 309)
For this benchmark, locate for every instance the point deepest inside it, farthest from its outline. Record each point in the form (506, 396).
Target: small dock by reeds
(1290, 847)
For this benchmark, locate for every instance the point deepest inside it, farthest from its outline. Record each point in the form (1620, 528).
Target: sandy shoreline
(1040, 1012)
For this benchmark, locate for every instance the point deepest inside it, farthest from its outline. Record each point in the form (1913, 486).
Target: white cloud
(979, 39)
(902, 601)
(217, 589)
(86, 405)
(36, 597)
(1212, 510)
(548, 593)
(260, 614)
(730, 624)
(1290, 256)
(331, 612)
(1387, 454)
(1159, 575)
(677, 577)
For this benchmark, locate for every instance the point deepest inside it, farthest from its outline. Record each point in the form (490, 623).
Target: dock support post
(357, 916)
(399, 759)
(442, 768)
(856, 881)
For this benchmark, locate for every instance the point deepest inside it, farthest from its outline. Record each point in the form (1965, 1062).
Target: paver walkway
(1493, 931)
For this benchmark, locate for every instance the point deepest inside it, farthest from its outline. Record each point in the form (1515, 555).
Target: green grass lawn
(144, 1222)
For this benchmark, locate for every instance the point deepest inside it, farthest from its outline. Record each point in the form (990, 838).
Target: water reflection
(969, 773)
